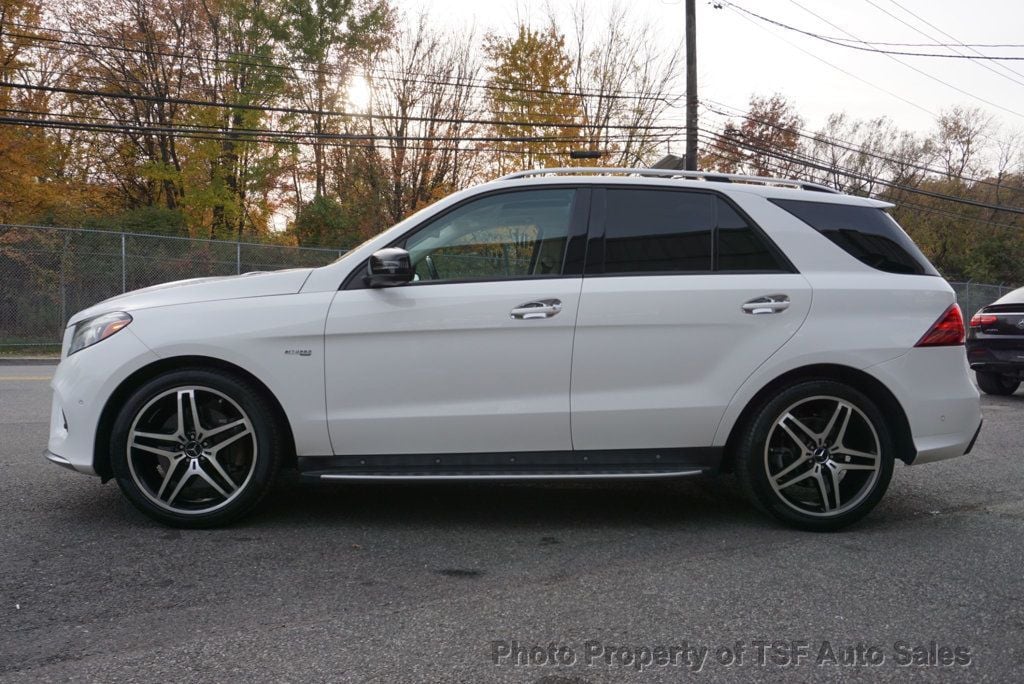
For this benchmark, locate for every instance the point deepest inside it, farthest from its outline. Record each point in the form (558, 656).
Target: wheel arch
(870, 386)
(101, 446)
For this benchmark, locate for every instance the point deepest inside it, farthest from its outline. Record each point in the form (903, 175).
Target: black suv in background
(995, 344)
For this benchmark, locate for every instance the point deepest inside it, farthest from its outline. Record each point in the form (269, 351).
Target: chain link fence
(47, 274)
(972, 296)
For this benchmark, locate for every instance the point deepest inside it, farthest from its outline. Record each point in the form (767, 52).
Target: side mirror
(389, 267)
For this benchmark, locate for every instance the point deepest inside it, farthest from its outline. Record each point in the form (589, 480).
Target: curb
(28, 361)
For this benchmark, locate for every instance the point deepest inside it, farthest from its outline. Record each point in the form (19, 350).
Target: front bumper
(82, 384)
(59, 460)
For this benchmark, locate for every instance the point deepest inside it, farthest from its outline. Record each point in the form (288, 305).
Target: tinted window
(867, 233)
(739, 247)
(511, 235)
(658, 230)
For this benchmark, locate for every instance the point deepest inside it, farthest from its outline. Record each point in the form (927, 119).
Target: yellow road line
(7, 378)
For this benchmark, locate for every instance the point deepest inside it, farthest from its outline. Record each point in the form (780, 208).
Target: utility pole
(691, 86)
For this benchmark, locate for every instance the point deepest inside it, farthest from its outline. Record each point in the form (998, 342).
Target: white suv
(568, 323)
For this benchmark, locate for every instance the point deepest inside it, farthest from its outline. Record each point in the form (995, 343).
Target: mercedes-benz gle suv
(596, 323)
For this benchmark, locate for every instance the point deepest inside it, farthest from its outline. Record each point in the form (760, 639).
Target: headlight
(93, 330)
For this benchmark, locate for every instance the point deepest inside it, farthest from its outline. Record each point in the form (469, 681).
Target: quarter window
(739, 246)
(866, 233)
(512, 235)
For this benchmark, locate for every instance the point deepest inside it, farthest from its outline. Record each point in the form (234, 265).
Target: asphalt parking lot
(418, 583)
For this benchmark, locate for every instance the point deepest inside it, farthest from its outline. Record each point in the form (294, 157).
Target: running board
(397, 476)
(570, 465)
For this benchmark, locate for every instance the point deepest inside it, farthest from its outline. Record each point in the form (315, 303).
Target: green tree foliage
(151, 220)
(220, 118)
(323, 222)
(964, 156)
(324, 38)
(530, 75)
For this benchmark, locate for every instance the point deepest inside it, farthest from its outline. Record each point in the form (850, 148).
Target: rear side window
(669, 231)
(866, 233)
(657, 230)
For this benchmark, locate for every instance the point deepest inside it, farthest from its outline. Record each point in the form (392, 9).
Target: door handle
(541, 308)
(768, 304)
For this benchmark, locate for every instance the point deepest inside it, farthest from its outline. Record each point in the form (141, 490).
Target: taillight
(948, 331)
(980, 320)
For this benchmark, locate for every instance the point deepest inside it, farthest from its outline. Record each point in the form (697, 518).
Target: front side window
(511, 235)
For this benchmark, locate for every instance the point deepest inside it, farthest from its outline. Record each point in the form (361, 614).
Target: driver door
(475, 354)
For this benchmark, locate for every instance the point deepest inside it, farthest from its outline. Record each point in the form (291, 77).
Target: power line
(170, 127)
(266, 136)
(321, 69)
(263, 135)
(587, 128)
(775, 167)
(850, 147)
(954, 215)
(298, 110)
(911, 66)
(834, 66)
(270, 140)
(972, 48)
(926, 35)
(864, 44)
(821, 165)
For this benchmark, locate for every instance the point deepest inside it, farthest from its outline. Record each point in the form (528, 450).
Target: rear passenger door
(683, 298)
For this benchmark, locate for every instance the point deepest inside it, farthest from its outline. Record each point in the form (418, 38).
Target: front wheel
(996, 383)
(196, 447)
(819, 455)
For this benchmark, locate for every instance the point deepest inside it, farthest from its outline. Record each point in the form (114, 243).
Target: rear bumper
(941, 447)
(942, 406)
(997, 367)
(996, 356)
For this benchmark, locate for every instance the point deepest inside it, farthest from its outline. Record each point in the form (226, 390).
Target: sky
(738, 55)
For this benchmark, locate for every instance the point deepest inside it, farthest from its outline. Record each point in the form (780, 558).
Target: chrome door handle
(769, 304)
(542, 308)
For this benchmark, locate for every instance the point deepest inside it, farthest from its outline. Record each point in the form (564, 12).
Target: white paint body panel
(444, 368)
(198, 290)
(81, 386)
(256, 335)
(657, 361)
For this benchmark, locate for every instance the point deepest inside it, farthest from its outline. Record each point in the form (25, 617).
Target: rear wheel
(196, 447)
(818, 456)
(996, 383)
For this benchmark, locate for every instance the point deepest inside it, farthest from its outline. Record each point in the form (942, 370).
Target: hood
(255, 284)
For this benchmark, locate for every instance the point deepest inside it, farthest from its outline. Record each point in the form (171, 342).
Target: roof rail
(710, 176)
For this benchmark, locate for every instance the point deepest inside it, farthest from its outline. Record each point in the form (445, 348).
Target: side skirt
(530, 465)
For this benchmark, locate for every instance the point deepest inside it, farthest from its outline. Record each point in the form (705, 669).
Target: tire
(187, 476)
(812, 440)
(996, 383)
